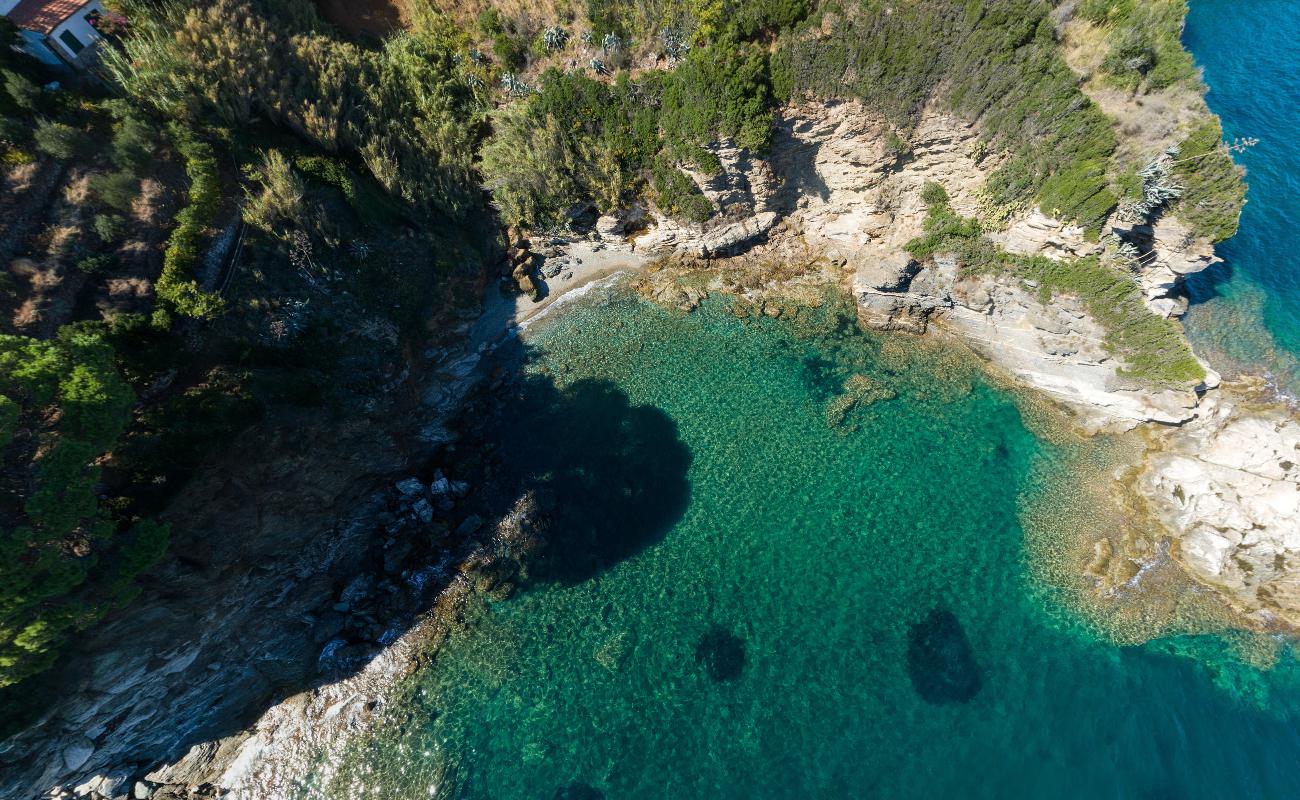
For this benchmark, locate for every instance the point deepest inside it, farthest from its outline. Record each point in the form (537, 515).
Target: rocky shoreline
(343, 594)
(1219, 479)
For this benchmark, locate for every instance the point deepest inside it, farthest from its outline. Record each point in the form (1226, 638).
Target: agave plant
(675, 44)
(598, 66)
(1159, 188)
(513, 84)
(555, 37)
(476, 56)
(588, 38)
(611, 43)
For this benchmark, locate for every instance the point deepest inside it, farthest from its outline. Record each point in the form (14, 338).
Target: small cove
(792, 562)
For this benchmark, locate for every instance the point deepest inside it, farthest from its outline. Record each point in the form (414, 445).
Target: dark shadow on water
(612, 476)
(1202, 287)
(823, 377)
(940, 660)
(721, 653)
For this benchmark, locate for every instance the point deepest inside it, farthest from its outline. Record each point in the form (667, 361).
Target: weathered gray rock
(77, 752)
(1227, 488)
(410, 487)
(423, 510)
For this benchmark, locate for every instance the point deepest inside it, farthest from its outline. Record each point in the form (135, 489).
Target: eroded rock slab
(940, 660)
(1227, 488)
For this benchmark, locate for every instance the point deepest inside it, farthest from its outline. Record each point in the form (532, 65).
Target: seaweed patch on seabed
(940, 660)
(579, 791)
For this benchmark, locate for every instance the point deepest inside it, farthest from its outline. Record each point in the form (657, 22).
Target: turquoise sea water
(793, 562)
(1247, 312)
(789, 562)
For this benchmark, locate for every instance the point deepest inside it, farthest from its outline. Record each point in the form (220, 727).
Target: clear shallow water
(764, 591)
(1246, 313)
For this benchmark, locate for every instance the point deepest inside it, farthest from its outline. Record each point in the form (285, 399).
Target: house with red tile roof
(56, 32)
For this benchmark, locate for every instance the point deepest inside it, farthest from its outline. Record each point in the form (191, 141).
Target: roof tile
(43, 16)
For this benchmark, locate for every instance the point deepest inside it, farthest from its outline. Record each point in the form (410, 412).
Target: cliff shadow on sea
(296, 575)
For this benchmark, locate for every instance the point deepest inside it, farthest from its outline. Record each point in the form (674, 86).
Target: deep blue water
(1246, 312)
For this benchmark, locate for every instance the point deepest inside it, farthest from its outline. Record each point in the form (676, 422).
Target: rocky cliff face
(289, 572)
(832, 183)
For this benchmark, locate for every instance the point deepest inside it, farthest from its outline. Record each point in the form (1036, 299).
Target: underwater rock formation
(579, 791)
(721, 653)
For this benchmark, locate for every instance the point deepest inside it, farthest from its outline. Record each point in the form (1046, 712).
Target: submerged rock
(940, 661)
(722, 653)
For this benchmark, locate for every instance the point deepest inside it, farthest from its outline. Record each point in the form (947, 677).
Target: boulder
(410, 487)
(888, 272)
(76, 754)
(423, 510)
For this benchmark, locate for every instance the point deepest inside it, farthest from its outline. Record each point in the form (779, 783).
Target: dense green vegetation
(1143, 41)
(402, 110)
(1213, 191)
(176, 284)
(580, 140)
(1153, 349)
(63, 406)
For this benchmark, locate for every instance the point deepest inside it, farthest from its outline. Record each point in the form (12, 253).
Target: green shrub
(278, 195)
(753, 17)
(60, 140)
(108, 227)
(489, 21)
(677, 195)
(99, 264)
(64, 563)
(510, 51)
(177, 285)
(116, 190)
(16, 157)
(718, 92)
(22, 91)
(135, 143)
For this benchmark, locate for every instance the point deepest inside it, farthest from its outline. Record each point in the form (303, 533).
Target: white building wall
(79, 27)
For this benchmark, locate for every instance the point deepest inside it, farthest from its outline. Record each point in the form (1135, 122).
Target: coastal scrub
(1153, 349)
